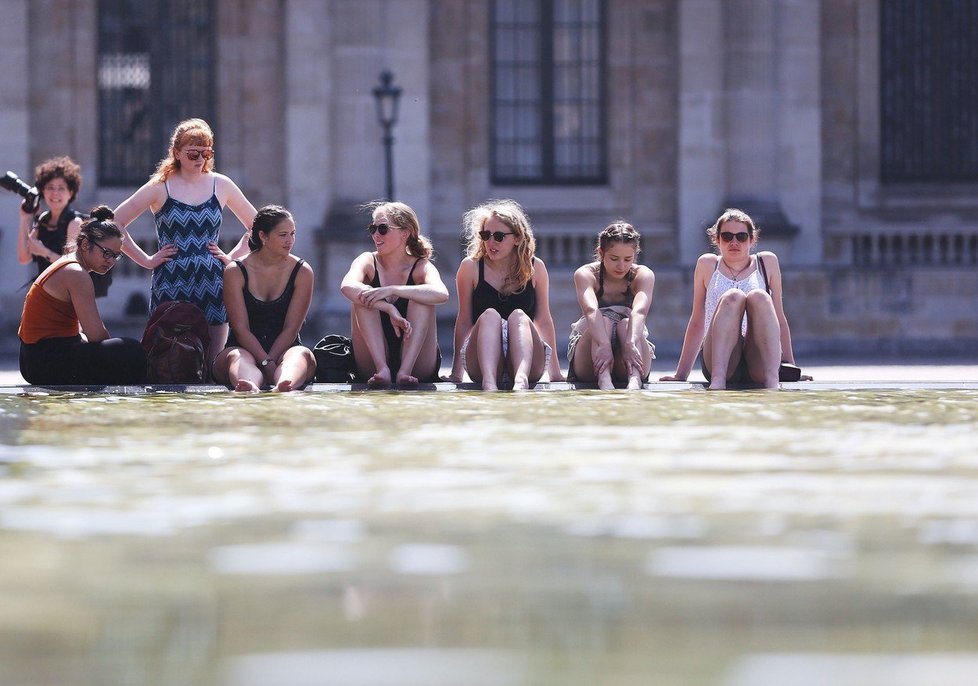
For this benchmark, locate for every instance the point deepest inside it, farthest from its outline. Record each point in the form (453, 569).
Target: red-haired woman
(187, 197)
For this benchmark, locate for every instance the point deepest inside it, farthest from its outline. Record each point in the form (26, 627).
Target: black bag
(175, 341)
(786, 371)
(334, 359)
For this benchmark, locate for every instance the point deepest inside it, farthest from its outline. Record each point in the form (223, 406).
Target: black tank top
(485, 297)
(266, 318)
(401, 303)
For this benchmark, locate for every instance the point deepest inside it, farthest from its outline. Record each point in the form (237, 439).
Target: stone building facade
(796, 110)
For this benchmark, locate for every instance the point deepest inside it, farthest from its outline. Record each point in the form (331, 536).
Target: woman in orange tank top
(63, 340)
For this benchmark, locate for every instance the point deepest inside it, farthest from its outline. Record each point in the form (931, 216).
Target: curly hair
(401, 215)
(732, 214)
(510, 213)
(59, 167)
(188, 132)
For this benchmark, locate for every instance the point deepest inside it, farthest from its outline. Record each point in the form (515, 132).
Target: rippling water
(467, 538)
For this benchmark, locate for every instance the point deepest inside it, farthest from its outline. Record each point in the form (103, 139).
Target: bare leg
(219, 338)
(605, 382)
(369, 346)
(419, 354)
(634, 376)
(582, 364)
(762, 348)
(526, 353)
(236, 368)
(298, 366)
(483, 355)
(722, 346)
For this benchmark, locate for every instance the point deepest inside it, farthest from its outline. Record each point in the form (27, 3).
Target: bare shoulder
(591, 268)
(769, 258)
(305, 268)
(467, 266)
(233, 268)
(152, 191)
(644, 275)
(73, 278)
(707, 260)
(223, 180)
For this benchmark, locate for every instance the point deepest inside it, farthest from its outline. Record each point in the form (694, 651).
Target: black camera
(12, 183)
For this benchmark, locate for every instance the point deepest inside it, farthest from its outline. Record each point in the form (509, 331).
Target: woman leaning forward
(610, 341)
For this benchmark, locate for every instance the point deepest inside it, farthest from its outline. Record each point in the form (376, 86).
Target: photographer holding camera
(43, 237)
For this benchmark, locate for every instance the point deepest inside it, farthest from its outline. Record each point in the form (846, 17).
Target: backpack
(334, 359)
(175, 342)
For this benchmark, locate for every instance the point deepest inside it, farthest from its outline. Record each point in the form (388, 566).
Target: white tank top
(720, 284)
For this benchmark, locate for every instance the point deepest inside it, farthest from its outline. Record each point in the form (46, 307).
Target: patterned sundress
(193, 274)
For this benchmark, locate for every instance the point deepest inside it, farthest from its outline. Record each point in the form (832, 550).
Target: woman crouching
(63, 340)
(267, 295)
(609, 342)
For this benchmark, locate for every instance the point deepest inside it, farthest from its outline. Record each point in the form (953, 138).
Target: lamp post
(387, 96)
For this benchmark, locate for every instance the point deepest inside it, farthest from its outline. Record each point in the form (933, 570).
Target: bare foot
(406, 379)
(380, 379)
(488, 385)
(521, 384)
(284, 386)
(634, 383)
(246, 386)
(717, 386)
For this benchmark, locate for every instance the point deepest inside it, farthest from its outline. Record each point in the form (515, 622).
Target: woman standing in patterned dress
(187, 197)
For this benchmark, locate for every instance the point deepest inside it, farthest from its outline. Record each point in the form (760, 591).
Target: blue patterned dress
(193, 274)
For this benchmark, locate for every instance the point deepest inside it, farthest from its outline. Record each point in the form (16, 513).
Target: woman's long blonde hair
(188, 132)
(510, 213)
(401, 215)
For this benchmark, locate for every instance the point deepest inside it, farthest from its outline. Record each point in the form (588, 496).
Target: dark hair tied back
(102, 213)
(267, 218)
(99, 227)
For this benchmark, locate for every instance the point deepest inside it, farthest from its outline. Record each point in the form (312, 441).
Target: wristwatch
(264, 363)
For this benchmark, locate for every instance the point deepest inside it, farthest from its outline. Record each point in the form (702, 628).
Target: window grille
(929, 91)
(548, 88)
(155, 68)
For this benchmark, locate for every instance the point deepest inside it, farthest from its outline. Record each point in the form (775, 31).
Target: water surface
(466, 538)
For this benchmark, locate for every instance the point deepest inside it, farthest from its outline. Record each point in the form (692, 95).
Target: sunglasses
(106, 253)
(497, 236)
(741, 236)
(197, 154)
(381, 228)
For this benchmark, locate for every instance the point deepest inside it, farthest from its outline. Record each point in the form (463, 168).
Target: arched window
(548, 111)
(155, 67)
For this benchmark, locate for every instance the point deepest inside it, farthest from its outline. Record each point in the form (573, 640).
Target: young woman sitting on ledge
(267, 296)
(63, 340)
(393, 291)
(610, 342)
(738, 319)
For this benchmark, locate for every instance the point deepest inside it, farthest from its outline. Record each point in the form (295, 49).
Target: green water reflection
(467, 538)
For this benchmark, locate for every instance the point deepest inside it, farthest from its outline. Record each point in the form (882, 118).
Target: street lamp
(387, 96)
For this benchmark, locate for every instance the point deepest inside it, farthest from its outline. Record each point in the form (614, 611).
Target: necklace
(736, 274)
